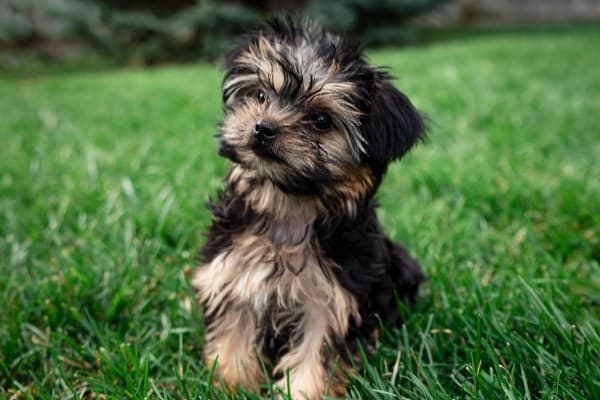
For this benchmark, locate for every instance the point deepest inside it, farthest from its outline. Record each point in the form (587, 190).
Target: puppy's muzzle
(265, 133)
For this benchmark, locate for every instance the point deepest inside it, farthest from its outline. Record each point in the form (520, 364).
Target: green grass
(104, 176)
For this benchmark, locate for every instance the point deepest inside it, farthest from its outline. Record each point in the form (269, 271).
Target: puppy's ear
(393, 125)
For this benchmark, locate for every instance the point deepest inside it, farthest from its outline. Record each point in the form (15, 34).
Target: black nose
(265, 131)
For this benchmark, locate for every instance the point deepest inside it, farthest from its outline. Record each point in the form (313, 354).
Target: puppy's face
(304, 110)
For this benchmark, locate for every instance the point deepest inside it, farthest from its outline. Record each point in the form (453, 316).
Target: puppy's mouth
(264, 151)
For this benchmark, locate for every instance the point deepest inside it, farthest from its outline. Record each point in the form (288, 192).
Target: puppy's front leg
(304, 364)
(231, 340)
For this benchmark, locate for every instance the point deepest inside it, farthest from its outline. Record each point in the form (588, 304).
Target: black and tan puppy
(297, 270)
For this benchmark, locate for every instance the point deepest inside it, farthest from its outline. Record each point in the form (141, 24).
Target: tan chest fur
(274, 273)
(260, 273)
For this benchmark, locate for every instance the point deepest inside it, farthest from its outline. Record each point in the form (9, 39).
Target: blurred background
(147, 32)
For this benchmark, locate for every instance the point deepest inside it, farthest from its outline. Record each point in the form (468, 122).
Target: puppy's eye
(320, 121)
(261, 97)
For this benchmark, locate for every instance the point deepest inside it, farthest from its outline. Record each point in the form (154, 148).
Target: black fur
(392, 125)
(373, 268)
(376, 271)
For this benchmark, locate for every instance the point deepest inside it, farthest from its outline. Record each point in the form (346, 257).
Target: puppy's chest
(279, 268)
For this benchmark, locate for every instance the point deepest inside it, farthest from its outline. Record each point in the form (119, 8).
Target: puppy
(296, 270)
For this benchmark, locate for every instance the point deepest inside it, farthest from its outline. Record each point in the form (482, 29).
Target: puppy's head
(304, 110)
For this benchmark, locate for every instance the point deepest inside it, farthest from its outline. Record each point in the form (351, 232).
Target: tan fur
(305, 287)
(333, 96)
(231, 344)
(331, 91)
(273, 273)
(340, 374)
(267, 199)
(303, 366)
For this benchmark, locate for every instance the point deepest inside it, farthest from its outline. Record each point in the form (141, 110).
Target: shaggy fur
(296, 270)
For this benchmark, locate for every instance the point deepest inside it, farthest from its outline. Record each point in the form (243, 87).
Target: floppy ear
(393, 125)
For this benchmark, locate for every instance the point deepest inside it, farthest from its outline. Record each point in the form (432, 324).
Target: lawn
(104, 177)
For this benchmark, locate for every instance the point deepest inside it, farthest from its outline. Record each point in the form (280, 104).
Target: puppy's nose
(265, 131)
